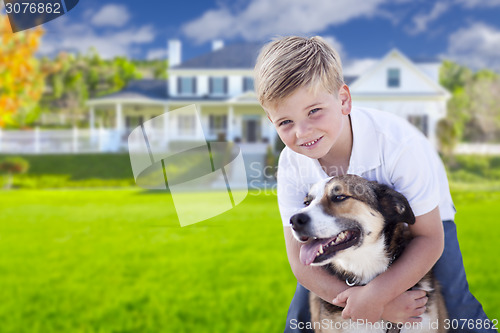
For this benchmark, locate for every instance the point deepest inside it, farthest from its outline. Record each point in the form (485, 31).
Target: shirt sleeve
(413, 175)
(291, 191)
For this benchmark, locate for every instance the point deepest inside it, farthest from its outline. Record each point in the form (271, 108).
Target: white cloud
(157, 54)
(476, 46)
(479, 3)
(356, 67)
(422, 21)
(336, 45)
(264, 18)
(111, 16)
(66, 35)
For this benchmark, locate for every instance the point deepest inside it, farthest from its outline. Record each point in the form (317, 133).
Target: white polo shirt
(387, 149)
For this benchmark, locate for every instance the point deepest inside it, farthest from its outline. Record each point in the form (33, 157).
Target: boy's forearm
(314, 278)
(414, 263)
(418, 258)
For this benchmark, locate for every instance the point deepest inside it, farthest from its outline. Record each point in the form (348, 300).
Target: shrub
(11, 166)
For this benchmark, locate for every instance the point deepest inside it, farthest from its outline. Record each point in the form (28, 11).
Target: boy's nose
(303, 131)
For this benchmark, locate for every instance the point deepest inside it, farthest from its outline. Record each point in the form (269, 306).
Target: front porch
(239, 120)
(111, 123)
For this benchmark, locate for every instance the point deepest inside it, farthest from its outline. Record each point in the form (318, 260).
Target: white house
(407, 88)
(220, 84)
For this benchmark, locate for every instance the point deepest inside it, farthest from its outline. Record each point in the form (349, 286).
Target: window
(187, 125)
(218, 85)
(217, 124)
(420, 122)
(393, 77)
(248, 84)
(132, 122)
(186, 85)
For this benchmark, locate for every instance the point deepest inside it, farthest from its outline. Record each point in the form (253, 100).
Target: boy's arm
(418, 258)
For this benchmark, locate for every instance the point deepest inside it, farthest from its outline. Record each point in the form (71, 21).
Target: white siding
(235, 85)
(172, 85)
(411, 81)
(202, 85)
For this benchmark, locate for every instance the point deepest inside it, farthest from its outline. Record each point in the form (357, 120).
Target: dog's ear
(394, 205)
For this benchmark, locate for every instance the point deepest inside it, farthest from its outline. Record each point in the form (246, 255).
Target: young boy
(299, 84)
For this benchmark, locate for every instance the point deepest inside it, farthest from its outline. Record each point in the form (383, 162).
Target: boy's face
(312, 123)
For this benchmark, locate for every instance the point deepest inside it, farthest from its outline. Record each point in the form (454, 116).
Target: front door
(251, 129)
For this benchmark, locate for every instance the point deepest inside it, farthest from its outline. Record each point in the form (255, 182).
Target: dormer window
(393, 78)
(186, 85)
(218, 86)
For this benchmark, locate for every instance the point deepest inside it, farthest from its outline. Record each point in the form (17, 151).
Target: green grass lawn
(106, 260)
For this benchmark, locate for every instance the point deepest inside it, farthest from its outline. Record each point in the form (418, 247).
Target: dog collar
(350, 284)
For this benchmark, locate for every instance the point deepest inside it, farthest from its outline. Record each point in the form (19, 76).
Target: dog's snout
(298, 221)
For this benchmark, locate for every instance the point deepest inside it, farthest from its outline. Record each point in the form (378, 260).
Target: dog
(355, 229)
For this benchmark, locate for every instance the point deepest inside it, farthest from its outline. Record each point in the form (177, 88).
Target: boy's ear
(345, 99)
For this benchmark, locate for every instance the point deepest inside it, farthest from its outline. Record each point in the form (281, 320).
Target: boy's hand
(361, 303)
(406, 308)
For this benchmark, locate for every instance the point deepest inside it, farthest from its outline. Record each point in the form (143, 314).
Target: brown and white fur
(355, 229)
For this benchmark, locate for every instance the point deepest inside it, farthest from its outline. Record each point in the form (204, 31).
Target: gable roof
(141, 89)
(395, 53)
(350, 79)
(241, 55)
(147, 91)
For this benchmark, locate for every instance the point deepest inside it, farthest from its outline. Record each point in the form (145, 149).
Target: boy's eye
(313, 111)
(285, 122)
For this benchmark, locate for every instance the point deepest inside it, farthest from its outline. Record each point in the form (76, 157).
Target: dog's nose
(298, 221)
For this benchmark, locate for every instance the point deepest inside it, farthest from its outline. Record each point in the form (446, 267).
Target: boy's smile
(312, 123)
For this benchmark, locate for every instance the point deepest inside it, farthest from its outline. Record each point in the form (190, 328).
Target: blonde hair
(289, 63)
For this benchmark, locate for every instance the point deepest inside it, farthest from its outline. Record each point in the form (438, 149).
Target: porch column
(119, 117)
(166, 122)
(230, 120)
(264, 129)
(92, 119)
(101, 138)
(272, 133)
(431, 129)
(117, 137)
(92, 123)
(199, 129)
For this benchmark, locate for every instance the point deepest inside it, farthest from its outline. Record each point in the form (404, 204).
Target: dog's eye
(338, 198)
(307, 202)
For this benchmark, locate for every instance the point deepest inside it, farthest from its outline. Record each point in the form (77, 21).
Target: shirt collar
(365, 154)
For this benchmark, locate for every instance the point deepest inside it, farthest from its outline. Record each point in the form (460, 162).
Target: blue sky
(467, 31)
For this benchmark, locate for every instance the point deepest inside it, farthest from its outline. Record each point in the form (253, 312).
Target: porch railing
(74, 140)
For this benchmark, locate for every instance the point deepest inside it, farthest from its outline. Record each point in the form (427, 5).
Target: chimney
(174, 52)
(217, 44)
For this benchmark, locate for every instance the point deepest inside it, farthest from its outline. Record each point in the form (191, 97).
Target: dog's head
(344, 213)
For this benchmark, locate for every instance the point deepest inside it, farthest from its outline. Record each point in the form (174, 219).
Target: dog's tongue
(308, 251)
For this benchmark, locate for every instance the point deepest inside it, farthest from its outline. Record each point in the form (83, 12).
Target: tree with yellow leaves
(21, 80)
